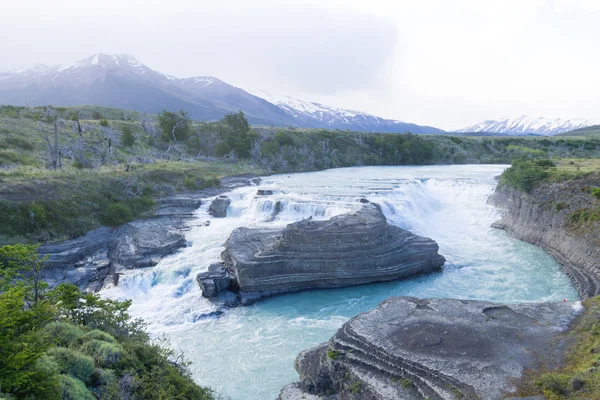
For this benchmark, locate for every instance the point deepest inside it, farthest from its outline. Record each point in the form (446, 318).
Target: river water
(247, 353)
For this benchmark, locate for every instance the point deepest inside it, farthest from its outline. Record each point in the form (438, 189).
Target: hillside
(120, 80)
(590, 131)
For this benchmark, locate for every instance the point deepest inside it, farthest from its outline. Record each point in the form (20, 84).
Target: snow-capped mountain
(528, 126)
(120, 80)
(323, 116)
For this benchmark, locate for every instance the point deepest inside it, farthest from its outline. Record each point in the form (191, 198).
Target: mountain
(528, 126)
(322, 116)
(122, 81)
(119, 80)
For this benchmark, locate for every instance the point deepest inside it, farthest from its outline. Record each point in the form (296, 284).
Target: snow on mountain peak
(105, 61)
(525, 125)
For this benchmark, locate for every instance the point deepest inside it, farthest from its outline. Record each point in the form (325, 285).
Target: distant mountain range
(119, 80)
(527, 126)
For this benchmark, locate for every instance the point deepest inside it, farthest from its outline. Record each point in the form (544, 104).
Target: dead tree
(54, 155)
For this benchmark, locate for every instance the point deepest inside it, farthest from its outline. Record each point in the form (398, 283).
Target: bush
(62, 333)
(554, 383)
(525, 175)
(116, 214)
(73, 363)
(127, 137)
(104, 122)
(595, 192)
(73, 389)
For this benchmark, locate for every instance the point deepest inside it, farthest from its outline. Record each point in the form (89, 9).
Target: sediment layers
(349, 249)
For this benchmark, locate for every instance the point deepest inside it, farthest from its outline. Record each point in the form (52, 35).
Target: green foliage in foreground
(72, 345)
(579, 377)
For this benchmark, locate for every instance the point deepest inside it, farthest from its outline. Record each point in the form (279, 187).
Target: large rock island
(416, 349)
(345, 250)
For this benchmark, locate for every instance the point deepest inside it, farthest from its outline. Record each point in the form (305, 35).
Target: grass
(579, 377)
(47, 205)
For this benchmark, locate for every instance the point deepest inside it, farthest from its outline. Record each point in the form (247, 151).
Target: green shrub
(554, 383)
(525, 175)
(104, 122)
(73, 363)
(127, 137)
(73, 389)
(104, 353)
(116, 214)
(63, 333)
(595, 192)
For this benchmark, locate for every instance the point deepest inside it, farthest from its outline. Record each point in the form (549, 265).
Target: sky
(443, 63)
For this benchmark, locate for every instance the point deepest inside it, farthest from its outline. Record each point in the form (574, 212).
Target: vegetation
(65, 344)
(66, 170)
(579, 377)
(527, 174)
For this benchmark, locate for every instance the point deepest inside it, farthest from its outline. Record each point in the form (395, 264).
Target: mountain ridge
(525, 125)
(120, 80)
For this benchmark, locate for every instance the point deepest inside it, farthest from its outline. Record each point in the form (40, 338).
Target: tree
(54, 155)
(238, 123)
(174, 126)
(22, 262)
(127, 137)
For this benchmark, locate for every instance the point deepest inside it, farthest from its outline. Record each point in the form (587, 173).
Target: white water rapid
(247, 353)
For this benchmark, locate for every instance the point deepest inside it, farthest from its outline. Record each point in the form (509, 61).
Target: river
(247, 353)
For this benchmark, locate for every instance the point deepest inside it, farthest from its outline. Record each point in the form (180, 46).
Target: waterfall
(248, 352)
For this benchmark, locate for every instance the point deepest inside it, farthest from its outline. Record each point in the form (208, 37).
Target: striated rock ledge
(346, 250)
(97, 259)
(542, 218)
(433, 349)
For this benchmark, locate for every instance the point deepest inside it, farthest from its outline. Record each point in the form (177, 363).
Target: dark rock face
(415, 349)
(346, 250)
(96, 259)
(218, 207)
(264, 192)
(542, 218)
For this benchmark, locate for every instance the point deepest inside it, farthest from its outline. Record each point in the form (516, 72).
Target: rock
(218, 207)
(141, 244)
(82, 261)
(214, 281)
(542, 218)
(413, 349)
(349, 249)
(264, 192)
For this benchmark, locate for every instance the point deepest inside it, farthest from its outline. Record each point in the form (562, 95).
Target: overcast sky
(445, 63)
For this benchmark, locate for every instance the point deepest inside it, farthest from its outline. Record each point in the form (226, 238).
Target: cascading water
(247, 353)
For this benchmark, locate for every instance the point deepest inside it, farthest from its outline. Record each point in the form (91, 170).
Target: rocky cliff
(433, 349)
(97, 259)
(545, 217)
(346, 250)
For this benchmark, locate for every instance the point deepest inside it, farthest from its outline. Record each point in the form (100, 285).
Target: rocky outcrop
(346, 250)
(218, 207)
(97, 259)
(416, 349)
(543, 218)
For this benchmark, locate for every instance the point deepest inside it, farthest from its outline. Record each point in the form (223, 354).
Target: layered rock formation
(433, 349)
(98, 258)
(543, 218)
(346, 250)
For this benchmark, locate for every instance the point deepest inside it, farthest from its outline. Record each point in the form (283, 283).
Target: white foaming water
(247, 353)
